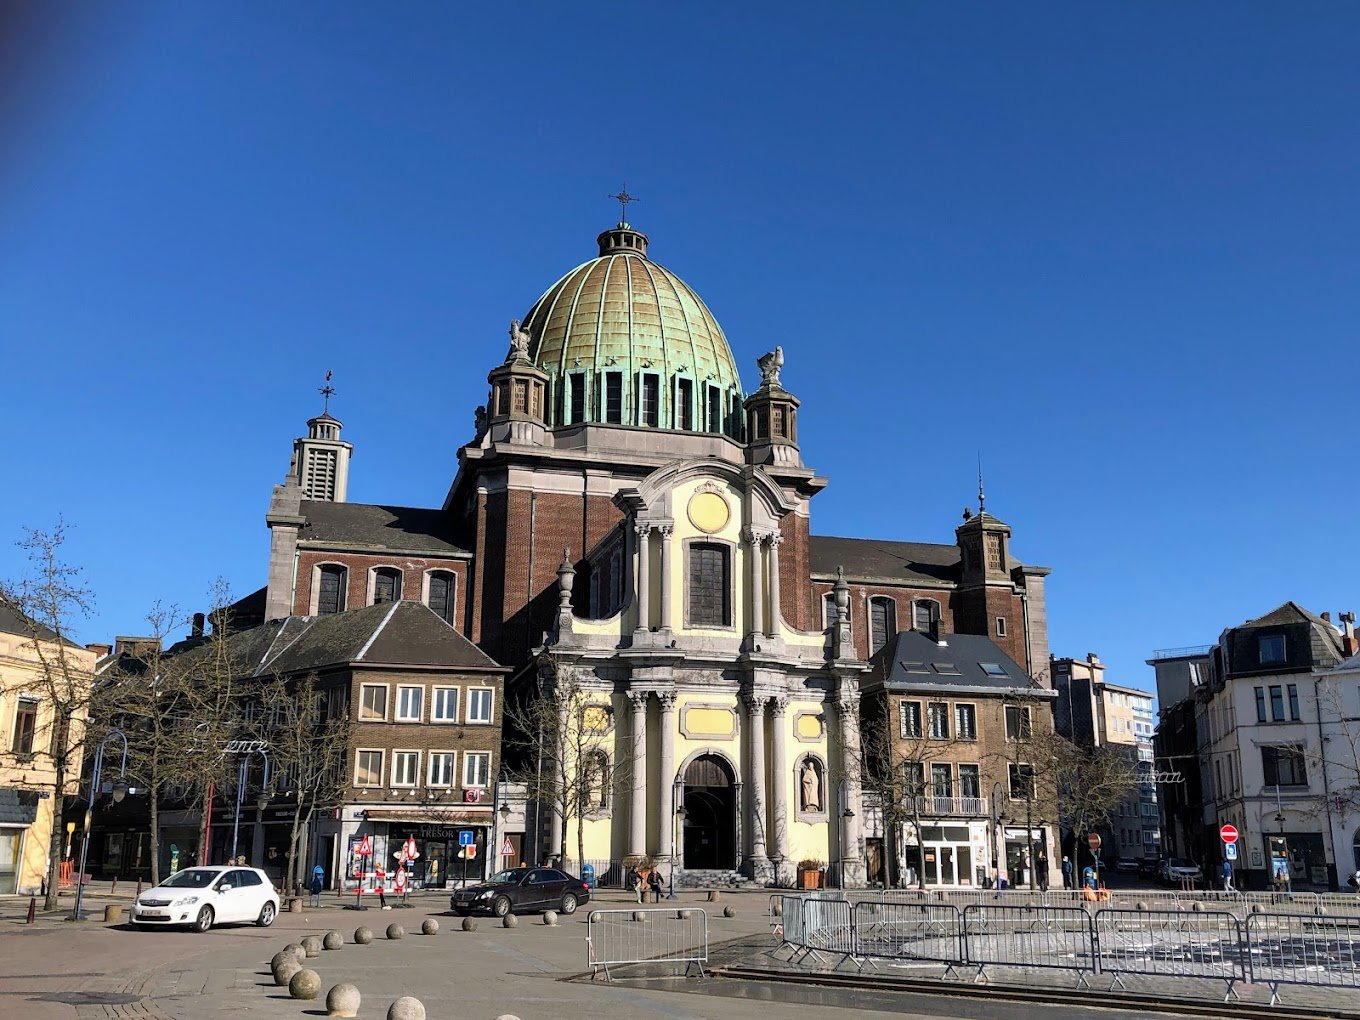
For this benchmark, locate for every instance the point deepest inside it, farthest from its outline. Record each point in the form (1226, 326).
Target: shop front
(1021, 852)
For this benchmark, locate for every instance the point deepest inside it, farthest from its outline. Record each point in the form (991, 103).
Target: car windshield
(191, 878)
(510, 877)
(1176, 862)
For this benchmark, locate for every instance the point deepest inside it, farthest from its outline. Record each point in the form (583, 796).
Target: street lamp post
(500, 814)
(1284, 844)
(119, 792)
(677, 830)
(241, 791)
(996, 832)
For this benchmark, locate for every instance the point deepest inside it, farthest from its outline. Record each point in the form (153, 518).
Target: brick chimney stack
(1348, 642)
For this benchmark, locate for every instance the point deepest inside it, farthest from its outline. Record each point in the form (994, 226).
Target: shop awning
(18, 807)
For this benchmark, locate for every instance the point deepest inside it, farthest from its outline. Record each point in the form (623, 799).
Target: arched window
(710, 585)
(330, 598)
(882, 622)
(443, 586)
(386, 585)
(925, 615)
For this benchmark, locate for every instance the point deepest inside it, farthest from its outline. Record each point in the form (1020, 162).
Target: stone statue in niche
(812, 787)
(519, 342)
(770, 364)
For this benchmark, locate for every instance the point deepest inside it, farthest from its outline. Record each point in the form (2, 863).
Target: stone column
(644, 575)
(852, 868)
(753, 541)
(637, 807)
(666, 845)
(779, 769)
(774, 540)
(755, 729)
(665, 530)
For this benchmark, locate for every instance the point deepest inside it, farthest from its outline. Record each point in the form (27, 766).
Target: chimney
(1348, 643)
(197, 629)
(100, 650)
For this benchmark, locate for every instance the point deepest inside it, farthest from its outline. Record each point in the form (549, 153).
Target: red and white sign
(1228, 834)
(409, 851)
(507, 849)
(1093, 841)
(365, 847)
(401, 880)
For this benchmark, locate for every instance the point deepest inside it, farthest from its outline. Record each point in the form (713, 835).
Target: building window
(910, 712)
(994, 669)
(996, 558)
(649, 400)
(443, 586)
(829, 609)
(477, 768)
(479, 705)
(778, 422)
(1000, 626)
(914, 775)
(710, 602)
(410, 704)
(386, 585)
(882, 622)
(965, 722)
(25, 726)
(445, 707)
(970, 782)
(1284, 766)
(941, 781)
(597, 779)
(684, 404)
(441, 768)
(1021, 780)
(368, 768)
(331, 591)
(1277, 703)
(613, 398)
(1260, 704)
(939, 720)
(1293, 692)
(576, 398)
(715, 409)
(925, 614)
(519, 397)
(373, 703)
(1018, 723)
(1271, 648)
(405, 768)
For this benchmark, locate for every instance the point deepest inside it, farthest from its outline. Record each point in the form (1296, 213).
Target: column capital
(666, 529)
(773, 538)
(639, 699)
(642, 528)
(754, 701)
(667, 700)
(779, 704)
(755, 536)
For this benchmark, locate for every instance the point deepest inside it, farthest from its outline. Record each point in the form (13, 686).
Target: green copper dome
(625, 341)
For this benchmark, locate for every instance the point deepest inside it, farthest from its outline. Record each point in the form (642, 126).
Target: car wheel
(266, 917)
(500, 906)
(204, 921)
(569, 903)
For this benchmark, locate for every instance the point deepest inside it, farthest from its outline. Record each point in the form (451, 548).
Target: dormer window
(613, 398)
(684, 404)
(576, 398)
(715, 409)
(1271, 649)
(649, 400)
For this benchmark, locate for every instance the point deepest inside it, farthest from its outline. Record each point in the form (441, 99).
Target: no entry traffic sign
(1228, 833)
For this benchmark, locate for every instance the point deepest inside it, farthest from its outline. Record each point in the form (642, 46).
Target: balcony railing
(952, 806)
(1189, 652)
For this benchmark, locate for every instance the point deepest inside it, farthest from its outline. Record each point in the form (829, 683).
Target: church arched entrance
(710, 839)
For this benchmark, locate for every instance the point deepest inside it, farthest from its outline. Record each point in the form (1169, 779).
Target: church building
(629, 516)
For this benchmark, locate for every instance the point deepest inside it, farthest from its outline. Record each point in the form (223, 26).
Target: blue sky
(1112, 247)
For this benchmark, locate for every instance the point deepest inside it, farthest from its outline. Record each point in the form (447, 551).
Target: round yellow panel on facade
(708, 512)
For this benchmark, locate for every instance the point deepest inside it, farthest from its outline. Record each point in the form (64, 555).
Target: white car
(202, 897)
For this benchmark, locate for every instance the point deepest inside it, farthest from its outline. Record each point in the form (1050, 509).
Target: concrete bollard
(640, 916)
(406, 1008)
(305, 984)
(507, 1016)
(363, 936)
(280, 957)
(714, 896)
(396, 931)
(550, 918)
(343, 1000)
(429, 926)
(683, 914)
(296, 950)
(729, 911)
(113, 913)
(596, 917)
(311, 945)
(32, 909)
(469, 924)
(332, 940)
(284, 971)
(509, 921)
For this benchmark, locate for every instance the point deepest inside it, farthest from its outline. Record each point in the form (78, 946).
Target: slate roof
(876, 558)
(14, 622)
(371, 526)
(913, 660)
(1292, 612)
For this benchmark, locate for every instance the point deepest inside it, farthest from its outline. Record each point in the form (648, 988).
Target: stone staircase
(712, 878)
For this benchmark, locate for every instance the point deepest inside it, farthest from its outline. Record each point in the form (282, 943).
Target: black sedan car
(522, 889)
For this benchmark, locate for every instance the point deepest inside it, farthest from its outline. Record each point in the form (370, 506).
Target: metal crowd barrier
(827, 929)
(1301, 950)
(920, 932)
(1008, 936)
(615, 938)
(1202, 944)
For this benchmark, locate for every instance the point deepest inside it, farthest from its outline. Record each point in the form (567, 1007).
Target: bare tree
(46, 601)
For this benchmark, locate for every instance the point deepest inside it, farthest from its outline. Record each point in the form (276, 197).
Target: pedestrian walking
(1067, 872)
(654, 884)
(318, 883)
(1227, 877)
(1042, 864)
(635, 883)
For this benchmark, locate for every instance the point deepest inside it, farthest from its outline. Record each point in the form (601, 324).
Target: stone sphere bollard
(363, 936)
(279, 957)
(507, 1016)
(469, 924)
(284, 971)
(1140, 905)
(596, 917)
(1197, 907)
(298, 952)
(1319, 910)
(311, 945)
(550, 918)
(343, 1000)
(332, 940)
(396, 931)
(729, 911)
(640, 915)
(778, 909)
(1256, 908)
(406, 1008)
(684, 914)
(509, 921)
(305, 984)
(429, 926)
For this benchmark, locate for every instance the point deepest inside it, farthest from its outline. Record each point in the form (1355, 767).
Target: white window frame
(399, 753)
(387, 701)
(490, 708)
(382, 765)
(429, 769)
(434, 702)
(945, 716)
(902, 719)
(958, 728)
(1000, 626)
(373, 583)
(420, 710)
(474, 756)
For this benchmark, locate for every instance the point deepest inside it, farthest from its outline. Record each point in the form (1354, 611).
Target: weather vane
(327, 392)
(982, 499)
(623, 198)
